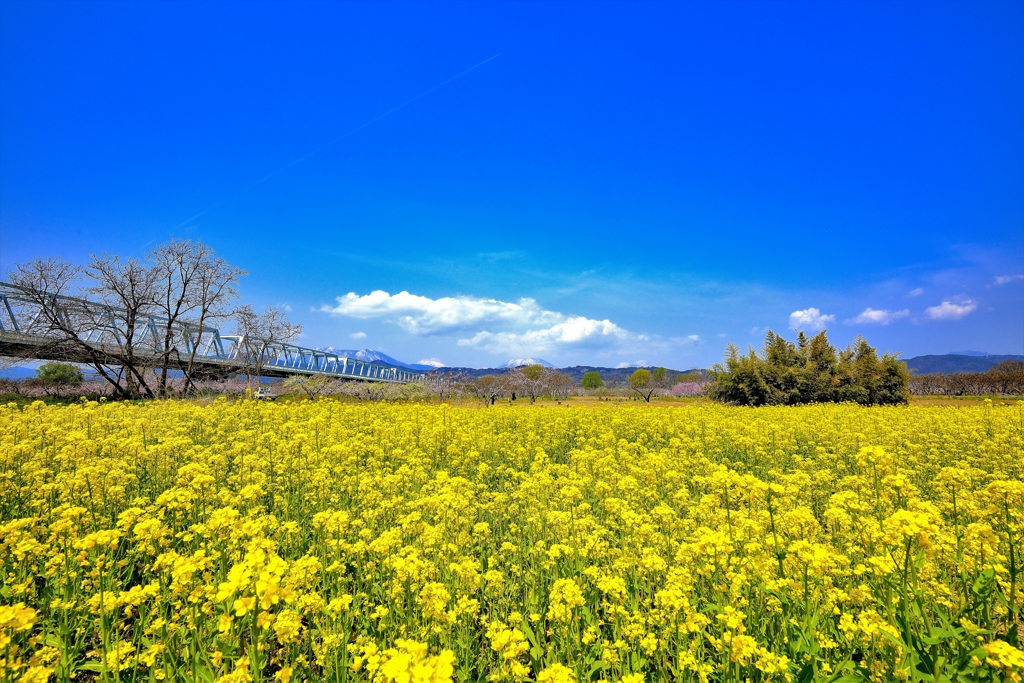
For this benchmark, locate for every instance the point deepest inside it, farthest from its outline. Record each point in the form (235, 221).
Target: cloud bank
(488, 324)
(423, 315)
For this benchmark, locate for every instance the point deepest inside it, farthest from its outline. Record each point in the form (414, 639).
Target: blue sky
(623, 182)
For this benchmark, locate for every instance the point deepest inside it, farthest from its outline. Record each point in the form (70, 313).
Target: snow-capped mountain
(520, 362)
(432, 362)
(372, 356)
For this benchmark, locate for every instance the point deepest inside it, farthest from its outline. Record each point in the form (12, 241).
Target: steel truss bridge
(45, 326)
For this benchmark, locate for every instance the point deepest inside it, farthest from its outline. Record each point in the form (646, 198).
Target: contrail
(335, 140)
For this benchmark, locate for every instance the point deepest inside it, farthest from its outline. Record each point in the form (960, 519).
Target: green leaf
(806, 674)
(936, 636)
(983, 584)
(530, 635)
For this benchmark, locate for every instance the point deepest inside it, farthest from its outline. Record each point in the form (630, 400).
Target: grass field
(240, 541)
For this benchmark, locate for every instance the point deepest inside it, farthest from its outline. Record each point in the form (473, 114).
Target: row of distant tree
(182, 285)
(527, 383)
(1006, 378)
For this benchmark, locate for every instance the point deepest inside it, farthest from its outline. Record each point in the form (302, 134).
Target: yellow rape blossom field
(242, 541)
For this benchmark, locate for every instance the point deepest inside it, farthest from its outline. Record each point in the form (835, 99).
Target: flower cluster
(324, 541)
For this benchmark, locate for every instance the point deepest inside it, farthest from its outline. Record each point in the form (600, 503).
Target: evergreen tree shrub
(810, 370)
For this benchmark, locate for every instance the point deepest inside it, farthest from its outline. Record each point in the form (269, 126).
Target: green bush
(592, 380)
(810, 371)
(58, 376)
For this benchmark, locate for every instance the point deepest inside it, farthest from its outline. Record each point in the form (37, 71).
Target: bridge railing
(315, 361)
(29, 319)
(39, 314)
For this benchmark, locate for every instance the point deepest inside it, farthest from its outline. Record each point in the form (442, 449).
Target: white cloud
(1007, 279)
(950, 310)
(693, 339)
(574, 330)
(915, 292)
(433, 362)
(809, 319)
(492, 325)
(877, 317)
(358, 335)
(423, 315)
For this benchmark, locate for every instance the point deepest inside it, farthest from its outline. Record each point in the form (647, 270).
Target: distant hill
(18, 373)
(954, 362)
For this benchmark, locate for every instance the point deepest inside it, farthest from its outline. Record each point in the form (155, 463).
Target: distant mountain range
(961, 361)
(965, 361)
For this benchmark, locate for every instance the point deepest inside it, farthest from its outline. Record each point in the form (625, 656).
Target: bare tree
(529, 380)
(313, 385)
(444, 384)
(65, 327)
(368, 391)
(559, 384)
(258, 332)
(127, 286)
(1007, 377)
(192, 287)
(487, 389)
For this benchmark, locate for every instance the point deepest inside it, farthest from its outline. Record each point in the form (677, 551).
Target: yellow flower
(556, 673)
(565, 596)
(433, 599)
(409, 662)
(287, 626)
(17, 617)
(904, 524)
(36, 674)
(243, 606)
(1005, 657)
